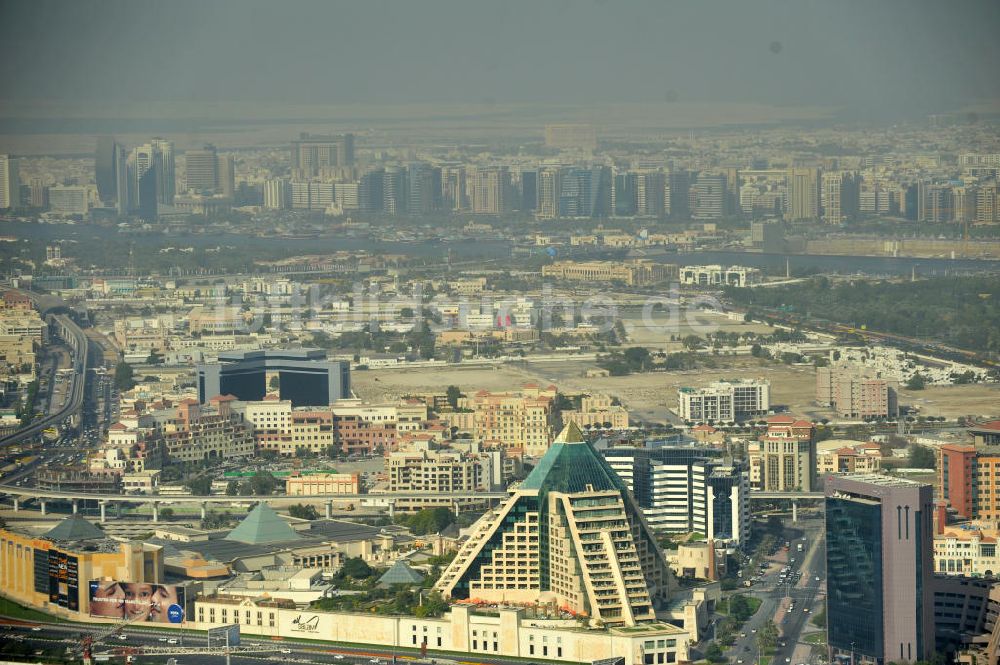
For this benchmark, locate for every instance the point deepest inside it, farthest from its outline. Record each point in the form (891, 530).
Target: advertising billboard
(64, 585)
(137, 601)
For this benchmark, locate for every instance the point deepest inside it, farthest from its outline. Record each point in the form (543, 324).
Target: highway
(777, 597)
(72, 406)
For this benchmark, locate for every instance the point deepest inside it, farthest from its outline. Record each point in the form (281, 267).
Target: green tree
(305, 512)
(356, 568)
(916, 382)
(166, 513)
(200, 485)
(274, 383)
(714, 653)
(263, 483)
(429, 520)
(453, 393)
(233, 488)
(124, 376)
(921, 457)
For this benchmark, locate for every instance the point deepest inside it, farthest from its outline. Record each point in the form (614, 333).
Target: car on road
(286, 651)
(338, 656)
(36, 629)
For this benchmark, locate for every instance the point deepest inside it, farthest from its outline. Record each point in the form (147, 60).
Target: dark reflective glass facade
(854, 575)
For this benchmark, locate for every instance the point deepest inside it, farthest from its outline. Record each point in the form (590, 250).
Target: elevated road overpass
(43, 497)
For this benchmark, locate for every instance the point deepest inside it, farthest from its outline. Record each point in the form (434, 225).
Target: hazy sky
(876, 56)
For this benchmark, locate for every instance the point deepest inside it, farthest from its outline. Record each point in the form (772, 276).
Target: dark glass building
(879, 543)
(305, 376)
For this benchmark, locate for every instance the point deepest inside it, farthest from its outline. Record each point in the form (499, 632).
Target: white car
(171, 641)
(338, 656)
(37, 629)
(286, 651)
(817, 578)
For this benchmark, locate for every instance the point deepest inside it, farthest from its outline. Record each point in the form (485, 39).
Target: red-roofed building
(784, 460)
(986, 434)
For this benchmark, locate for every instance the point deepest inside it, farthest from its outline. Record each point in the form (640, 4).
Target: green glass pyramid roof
(263, 525)
(400, 573)
(74, 527)
(570, 465)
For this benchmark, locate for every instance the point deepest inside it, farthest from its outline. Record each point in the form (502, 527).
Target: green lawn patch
(11, 609)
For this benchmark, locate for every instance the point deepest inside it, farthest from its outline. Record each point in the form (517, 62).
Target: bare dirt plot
(653, 397)
(979, 400)
(389, 384)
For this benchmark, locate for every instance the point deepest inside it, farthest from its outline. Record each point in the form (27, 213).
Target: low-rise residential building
(857, 393)
(597, 411)
(725, 401)
(967, 549)
(848, 457)
(514, 419)
(424, 469)
(195, 433)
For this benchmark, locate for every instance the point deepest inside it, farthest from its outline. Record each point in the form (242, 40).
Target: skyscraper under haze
(315, 155)
(10, 183)
(879, 562)
(803, 194)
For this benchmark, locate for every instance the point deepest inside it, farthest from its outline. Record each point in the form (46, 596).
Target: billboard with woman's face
(137, 601)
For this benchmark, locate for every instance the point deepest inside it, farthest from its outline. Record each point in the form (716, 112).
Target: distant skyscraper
(424, 189)
(626, 194)
(371, 191)
(122, 193)
(208, 172)
(227, 176)
(678, 190)
(453, 188)
(879, 564)
(732, 174)
(529, 190)
(39, 194)
(166, 178)
(10, 183)
(276, 194)
(491, 190)
(105, 169)
(202, 170)
(395, 191)
(315, 156)
(803, 194)
(549, 182)
(840, 195)
(585, 192)
(651, 193)
(710, 191)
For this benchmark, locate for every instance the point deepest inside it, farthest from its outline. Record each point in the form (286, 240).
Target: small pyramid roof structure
(75, 527)
(400, 573)
(263, 525)
(571, 465)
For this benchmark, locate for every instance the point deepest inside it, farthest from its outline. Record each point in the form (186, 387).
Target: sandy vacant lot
(652, 397)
